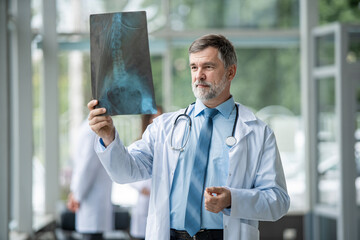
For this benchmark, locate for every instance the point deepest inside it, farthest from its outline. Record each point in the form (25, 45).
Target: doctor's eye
(193, 67)
(209, 66)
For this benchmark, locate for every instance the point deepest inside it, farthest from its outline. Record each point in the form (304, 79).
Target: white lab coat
(256, 178)
(139, 212)
(91, 186)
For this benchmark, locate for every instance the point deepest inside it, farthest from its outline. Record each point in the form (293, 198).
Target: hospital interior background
(298, 70)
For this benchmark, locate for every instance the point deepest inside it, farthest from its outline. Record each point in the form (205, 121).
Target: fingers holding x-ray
(103, 126)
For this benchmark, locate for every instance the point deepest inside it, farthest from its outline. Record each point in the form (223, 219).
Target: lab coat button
(229, 174)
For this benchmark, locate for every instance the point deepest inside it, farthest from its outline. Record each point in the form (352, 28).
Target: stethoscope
(230, 140)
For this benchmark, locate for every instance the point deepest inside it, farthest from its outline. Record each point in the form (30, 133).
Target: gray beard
(212, 92)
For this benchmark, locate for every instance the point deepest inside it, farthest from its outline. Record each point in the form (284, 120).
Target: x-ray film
(121, 77)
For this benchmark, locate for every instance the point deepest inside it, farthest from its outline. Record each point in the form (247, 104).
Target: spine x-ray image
(121, 76)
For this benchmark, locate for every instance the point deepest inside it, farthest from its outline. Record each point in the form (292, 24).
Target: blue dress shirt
(218, 165)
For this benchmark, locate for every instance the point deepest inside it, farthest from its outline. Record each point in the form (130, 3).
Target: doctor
(90, 196)
(218, 174)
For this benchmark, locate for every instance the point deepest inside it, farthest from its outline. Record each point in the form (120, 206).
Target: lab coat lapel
(238, 154)
(242, 128)
(173, 155)
(173, 160)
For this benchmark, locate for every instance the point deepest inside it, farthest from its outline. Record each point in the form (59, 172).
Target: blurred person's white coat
(139, 212)
(90, 186)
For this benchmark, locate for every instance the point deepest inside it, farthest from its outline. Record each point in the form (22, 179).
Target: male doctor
(219, 183)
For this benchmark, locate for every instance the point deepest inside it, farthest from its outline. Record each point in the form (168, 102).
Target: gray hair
(226, 50)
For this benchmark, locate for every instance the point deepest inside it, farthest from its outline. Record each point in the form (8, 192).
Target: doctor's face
(210, 83)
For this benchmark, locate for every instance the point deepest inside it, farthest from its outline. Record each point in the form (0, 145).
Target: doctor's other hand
(103, 126)
(72, 204)
(217, 198)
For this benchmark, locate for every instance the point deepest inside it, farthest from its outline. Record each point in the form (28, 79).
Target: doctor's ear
(231, 72)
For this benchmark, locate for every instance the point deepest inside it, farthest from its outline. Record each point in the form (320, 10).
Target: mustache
(198, 82)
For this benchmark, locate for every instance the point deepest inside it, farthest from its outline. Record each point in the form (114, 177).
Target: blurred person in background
(90, 196)
(140, 210)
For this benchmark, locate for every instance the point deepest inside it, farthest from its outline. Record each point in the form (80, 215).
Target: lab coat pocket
(249, 232)
(237, 229)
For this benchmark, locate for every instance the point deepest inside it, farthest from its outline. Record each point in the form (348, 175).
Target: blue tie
(198, 174)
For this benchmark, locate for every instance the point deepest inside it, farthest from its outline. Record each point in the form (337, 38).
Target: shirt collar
(225, 108)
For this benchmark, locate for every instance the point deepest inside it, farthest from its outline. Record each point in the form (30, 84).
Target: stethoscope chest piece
(230, 141)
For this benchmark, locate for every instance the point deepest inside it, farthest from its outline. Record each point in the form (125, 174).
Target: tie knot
(210, 112)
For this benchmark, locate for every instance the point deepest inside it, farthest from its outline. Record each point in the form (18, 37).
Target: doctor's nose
(200, 75)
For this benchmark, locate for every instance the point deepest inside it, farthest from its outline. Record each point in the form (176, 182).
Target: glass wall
(38, 194)
(265, 76)
(260, 14)
(325, 55)
(38, 158)
(335, 179)
(328, 152)
(357, 147)
(353, 57)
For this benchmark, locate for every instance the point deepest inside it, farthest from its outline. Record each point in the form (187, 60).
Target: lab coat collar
(243, 126)
(245, 114)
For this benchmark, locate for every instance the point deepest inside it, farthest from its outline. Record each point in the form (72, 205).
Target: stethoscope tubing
(230, 141)
(173, 129)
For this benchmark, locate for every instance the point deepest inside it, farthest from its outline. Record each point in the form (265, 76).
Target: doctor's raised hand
(103, 126)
